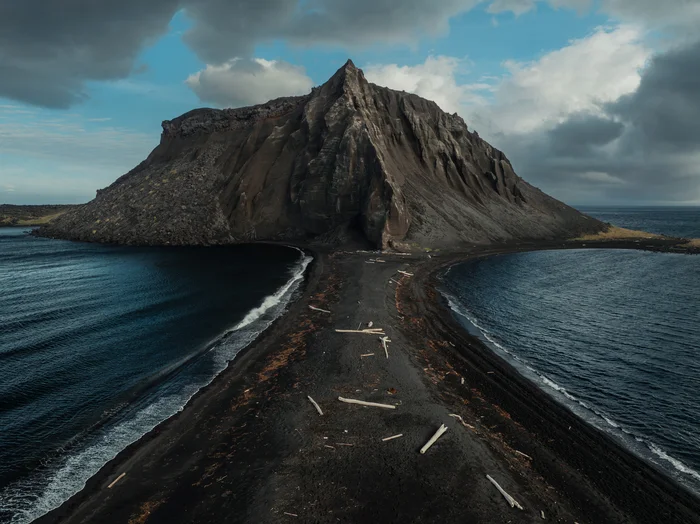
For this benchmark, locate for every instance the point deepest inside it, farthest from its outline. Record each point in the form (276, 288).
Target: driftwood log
(363, 403)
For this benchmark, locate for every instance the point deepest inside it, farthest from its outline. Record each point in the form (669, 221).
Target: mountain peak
(349, 77)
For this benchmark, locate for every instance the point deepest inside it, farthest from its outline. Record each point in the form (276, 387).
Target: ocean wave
(275, 299)
(677, 464)
(62, 477)
(590, 413)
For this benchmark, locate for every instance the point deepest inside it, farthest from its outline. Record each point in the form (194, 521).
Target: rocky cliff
(349, 156)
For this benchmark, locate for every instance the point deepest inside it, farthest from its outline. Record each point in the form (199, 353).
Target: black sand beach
(252, 448)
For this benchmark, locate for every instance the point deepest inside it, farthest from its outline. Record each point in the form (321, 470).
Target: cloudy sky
(594, 101)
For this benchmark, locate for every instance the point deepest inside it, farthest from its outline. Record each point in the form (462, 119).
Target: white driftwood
(458, 417)
(373, 331)
(542, 514)
(406, 273)
(433, 439)
(392, 437)
(319, 309)
(318, 408)
(513, 503)
(116, 480)
(367, 355)
(461, 381)
(523, 454)
(384, 341)
(363, 403)
(291, 514)
(370, 324)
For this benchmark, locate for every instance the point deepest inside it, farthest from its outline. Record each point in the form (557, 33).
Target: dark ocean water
(98, 344)
(671, 221)
(612, 334)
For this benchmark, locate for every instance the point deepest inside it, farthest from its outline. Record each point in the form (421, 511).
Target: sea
(612, 334)
(99, 344)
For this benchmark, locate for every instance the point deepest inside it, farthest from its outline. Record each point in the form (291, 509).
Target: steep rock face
(348, 155)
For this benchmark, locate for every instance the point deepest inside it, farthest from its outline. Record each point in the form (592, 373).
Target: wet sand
(252, 448)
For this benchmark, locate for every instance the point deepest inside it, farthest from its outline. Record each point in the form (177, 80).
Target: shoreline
(269, 379)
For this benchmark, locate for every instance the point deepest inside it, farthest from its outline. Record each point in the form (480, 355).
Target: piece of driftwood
(392, 437)
(523, 454)
(319, 309)
(405, 273)
(542, 514)
(363, 403)
(384, 341)
(367, 355)
(433, 439)
(513, 503)
(116, 480)
(372, 331)
(392, 280)
(318, 408)
(370, 324)
(458, 417)
(291, 514)
(461, 381)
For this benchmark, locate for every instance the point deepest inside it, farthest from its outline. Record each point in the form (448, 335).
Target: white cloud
(435, 79)
(248, 82)
(579, 77)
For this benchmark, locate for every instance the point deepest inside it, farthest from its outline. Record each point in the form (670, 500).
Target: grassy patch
(38, 221)
(618, 233)
(693, 242)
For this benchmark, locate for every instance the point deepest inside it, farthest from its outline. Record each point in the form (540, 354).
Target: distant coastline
(31, 215)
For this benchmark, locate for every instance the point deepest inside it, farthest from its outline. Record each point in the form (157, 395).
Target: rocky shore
(251, 447)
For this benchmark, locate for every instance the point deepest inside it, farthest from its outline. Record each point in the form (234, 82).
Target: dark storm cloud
(581, 133)
(49, 49)
(665, 110)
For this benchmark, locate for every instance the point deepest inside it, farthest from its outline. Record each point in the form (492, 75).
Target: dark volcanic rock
(349, 155)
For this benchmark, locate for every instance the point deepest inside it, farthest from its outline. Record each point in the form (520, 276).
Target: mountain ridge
(348, 156)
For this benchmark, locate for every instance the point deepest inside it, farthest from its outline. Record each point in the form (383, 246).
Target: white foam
(35, 496)
(76, 469)
(275, 299)
(677, 464)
